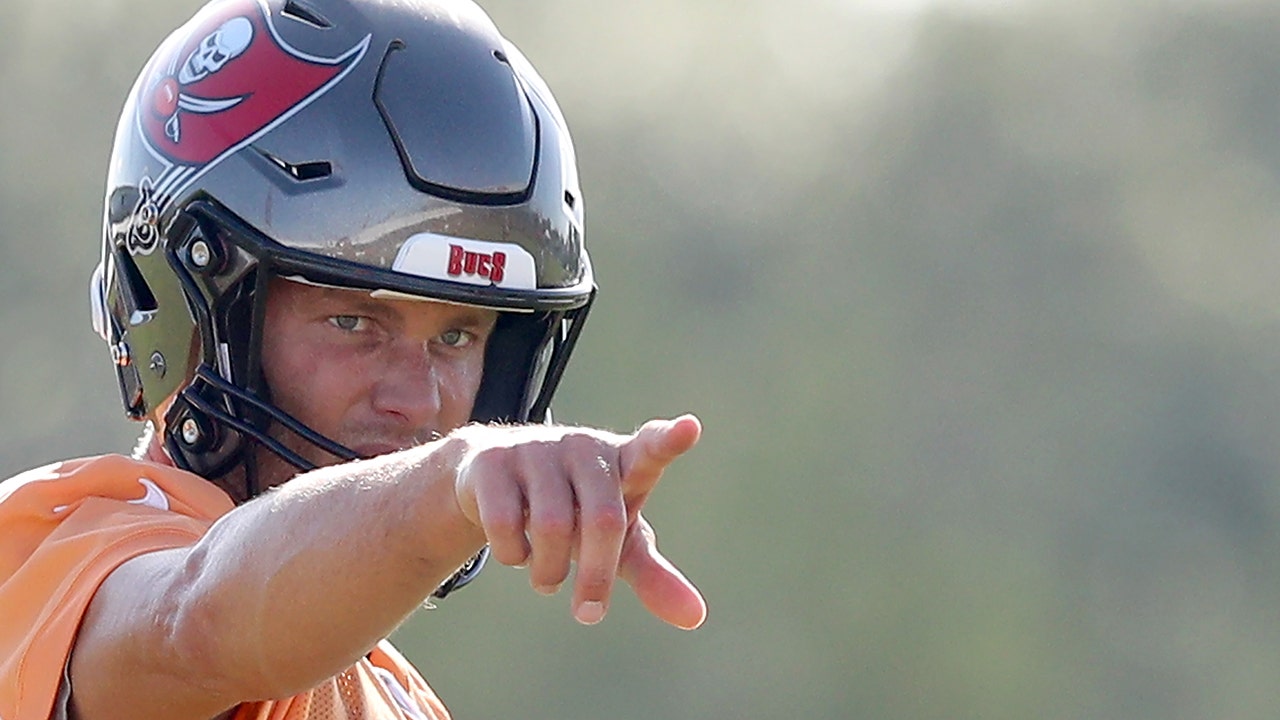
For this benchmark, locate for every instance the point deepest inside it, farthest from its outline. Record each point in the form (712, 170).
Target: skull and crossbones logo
(218, 48)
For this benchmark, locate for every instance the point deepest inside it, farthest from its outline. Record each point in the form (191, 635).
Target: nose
(408, 386)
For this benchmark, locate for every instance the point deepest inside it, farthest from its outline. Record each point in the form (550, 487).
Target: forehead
(289, 295)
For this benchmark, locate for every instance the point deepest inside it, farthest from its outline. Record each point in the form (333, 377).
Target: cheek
(469, 377)
(282, 371)
(458, 387)
(304, 383)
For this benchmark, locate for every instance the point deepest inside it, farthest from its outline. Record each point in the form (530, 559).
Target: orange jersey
(64, 528)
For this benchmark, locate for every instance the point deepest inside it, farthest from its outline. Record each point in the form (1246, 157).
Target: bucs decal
(218, 84)
(490, 266)
(468, 261)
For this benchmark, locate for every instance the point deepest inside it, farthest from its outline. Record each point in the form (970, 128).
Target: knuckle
(511, 554)
(579, 440)
(594, 582)
(552, 525)
(482, 464)
(607, 466)
(607, 520)
(504, 523)
(500, 519)
(492, 456)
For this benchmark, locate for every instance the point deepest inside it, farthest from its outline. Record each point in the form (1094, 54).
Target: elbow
(219, 630)
(204, 626)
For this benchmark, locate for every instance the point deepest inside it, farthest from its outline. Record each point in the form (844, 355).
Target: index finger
(650, 450)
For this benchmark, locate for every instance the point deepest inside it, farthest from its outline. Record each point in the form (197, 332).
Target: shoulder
(77, 512)
(63, 528)
(61, 485)
(60, 519)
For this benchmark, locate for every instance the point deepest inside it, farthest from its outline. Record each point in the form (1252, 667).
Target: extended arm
(293, 587)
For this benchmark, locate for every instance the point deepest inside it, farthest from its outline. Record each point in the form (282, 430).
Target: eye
(349, 323)
(456, 338)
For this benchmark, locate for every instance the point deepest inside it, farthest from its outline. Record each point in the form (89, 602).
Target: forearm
(282, 593)
(299, 583)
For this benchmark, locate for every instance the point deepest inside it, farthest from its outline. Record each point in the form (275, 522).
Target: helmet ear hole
(135, 293)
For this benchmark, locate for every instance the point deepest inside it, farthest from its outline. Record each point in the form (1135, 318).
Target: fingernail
(546, 589)
(590, 613)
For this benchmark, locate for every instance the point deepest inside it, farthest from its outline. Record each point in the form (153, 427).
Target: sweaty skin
(292, 587)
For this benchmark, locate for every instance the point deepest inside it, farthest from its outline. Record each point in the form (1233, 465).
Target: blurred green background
(979, 304)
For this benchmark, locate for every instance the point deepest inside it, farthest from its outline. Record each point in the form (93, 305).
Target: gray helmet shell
(401, 147)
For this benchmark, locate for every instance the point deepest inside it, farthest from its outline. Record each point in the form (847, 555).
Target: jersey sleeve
(63, 529)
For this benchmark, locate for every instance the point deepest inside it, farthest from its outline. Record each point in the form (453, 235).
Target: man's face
(373, 374)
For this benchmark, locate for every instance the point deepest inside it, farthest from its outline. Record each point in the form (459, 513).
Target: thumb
(659, 585)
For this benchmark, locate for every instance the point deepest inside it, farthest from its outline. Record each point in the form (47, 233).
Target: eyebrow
(471, 318)
(355, 302)
(484, 315)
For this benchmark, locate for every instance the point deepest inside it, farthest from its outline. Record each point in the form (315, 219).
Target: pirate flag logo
(218, 48)
(221, 82)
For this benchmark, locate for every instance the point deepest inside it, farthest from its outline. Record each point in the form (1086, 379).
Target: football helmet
(404, 148)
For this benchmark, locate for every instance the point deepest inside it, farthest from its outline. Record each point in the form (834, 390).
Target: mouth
(377, 444)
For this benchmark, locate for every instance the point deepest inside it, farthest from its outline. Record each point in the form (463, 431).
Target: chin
(273, 471)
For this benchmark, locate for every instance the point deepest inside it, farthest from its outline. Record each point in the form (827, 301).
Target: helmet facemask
(225, 268)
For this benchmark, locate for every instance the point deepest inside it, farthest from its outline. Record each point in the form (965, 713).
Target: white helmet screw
(190, 431)
(158, 365)
(200, 254)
